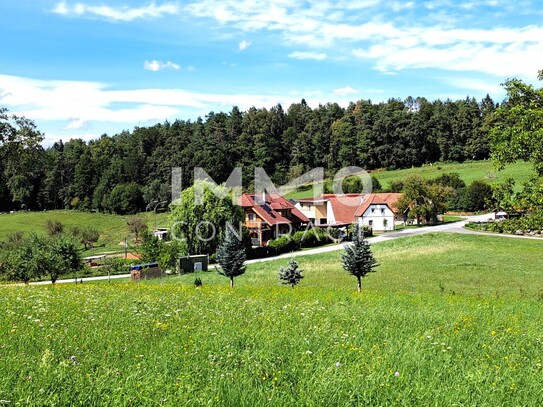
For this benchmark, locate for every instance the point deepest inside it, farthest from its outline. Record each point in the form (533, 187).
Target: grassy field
(113, 228)
(468, 171)
(446, 320)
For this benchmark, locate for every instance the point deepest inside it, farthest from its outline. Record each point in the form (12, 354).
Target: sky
(83, 68)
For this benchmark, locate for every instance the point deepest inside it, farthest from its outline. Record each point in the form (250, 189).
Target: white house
(379, 217)
(374, 210)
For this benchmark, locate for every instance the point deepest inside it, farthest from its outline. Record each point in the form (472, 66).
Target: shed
(190, 264)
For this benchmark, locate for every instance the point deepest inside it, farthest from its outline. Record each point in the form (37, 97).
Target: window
(383, 211)
(251, 216)
(372, 210)
(370, 223)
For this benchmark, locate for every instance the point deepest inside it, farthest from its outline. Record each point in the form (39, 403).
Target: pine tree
(358, 259)
(231, 257)
(291, 275)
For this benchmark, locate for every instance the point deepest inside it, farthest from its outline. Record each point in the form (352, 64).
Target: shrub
(282, 244)
(291, 275)
(312, 238)
(54, 227)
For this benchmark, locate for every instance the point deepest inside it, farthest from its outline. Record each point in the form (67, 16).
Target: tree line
(126, 172)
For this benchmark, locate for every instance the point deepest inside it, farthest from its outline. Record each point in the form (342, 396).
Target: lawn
(113, 228)
(468, 171)
(447, 319)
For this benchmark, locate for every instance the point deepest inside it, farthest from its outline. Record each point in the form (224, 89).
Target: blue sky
(87, 67)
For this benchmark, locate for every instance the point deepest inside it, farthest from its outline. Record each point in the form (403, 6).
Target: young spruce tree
(231, 256)
(358, 259)
(291, 275)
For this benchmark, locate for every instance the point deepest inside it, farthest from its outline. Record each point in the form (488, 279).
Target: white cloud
(243, 45)
(159, 65)
(398, 6)
(345, 91)
(475, 84)
(80, 103)
(123, 13)
(391, 42)
(77, 124)
(319, 56)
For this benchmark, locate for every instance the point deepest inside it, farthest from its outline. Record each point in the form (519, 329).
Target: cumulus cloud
(156, 66)
(319, 56)
(243, 45)
(123, 13)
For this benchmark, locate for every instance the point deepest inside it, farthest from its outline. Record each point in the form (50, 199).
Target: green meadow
(113, 228)
(448, 319)
(469, 171)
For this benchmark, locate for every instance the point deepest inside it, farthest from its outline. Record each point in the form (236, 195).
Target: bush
(525, 224)
(352, 230)
(282, 244)
(311, 238)
(54, 227)
(117, 265)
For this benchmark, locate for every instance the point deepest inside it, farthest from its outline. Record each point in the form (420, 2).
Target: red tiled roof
(388, 199)
(348, 207)
(268, 210)
(344, 206)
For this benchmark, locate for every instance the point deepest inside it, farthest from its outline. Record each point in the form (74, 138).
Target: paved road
(454, 227)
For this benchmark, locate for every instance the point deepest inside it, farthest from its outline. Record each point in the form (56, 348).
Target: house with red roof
(377, 211)
(269, 216)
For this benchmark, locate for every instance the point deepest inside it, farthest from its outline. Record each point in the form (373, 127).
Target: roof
(347, 207)
(344, 206)
(268, 209)
(388, 199)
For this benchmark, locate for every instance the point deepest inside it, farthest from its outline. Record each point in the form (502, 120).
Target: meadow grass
(447, 320)
(469, 171)
(113, 228)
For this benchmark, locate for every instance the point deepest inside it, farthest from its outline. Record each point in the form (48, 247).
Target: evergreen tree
(358, 259)
(291, 275)
(231, 257)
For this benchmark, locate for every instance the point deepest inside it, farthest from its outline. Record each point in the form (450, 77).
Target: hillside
(469, 171)
(113, 228)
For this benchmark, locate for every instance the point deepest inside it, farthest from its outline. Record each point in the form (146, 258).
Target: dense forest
(125, 172)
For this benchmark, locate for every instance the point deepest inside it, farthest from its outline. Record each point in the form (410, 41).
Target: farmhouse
(269, 216)
(377, 211)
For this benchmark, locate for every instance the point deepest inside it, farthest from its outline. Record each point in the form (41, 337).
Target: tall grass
(403, 341)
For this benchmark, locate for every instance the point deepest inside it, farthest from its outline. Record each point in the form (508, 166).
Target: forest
(124, 173)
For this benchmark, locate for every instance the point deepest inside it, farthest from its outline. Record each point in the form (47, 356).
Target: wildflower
(396, 374)
(74, 360)
(338, 364)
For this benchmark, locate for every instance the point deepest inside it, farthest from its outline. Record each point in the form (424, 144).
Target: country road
(454, 227)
